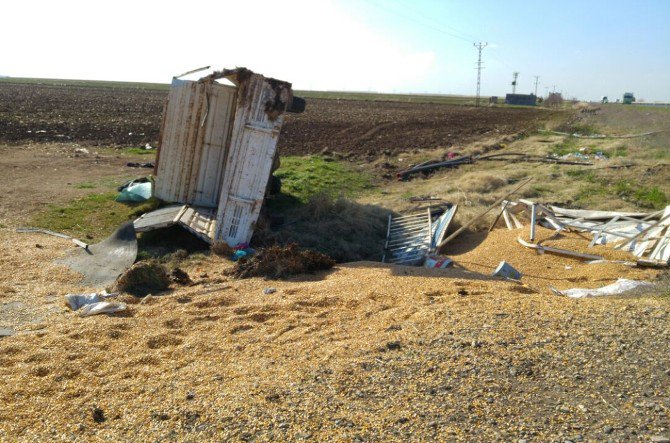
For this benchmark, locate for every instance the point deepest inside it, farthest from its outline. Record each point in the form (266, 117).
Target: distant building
(521, 99)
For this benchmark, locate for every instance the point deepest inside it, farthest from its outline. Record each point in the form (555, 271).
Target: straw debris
(278, 262)
(144, 278)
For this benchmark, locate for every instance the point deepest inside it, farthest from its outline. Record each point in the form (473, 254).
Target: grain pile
(368, 352)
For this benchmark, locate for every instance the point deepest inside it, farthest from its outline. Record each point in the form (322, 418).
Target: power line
(515, 75)
(410, 7)
(479, 47)
(406, 17)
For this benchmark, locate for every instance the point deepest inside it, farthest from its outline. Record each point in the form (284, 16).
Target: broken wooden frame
(645, 235)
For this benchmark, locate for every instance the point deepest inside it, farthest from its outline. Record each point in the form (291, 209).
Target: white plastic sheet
(619, 287)
(94, 303)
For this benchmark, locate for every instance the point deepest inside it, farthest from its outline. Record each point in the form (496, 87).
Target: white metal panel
(217, 129)
(252, 148)
(180, 146)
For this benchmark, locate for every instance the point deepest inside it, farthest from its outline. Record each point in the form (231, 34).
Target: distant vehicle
(628, 98)
(604, 100)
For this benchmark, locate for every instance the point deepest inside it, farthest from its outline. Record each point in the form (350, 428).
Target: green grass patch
(139, 151)
(641, 195)
(567, 146)
(94, 216)
(85, 185)
(582, 174)
(305, 177)
(619, 151)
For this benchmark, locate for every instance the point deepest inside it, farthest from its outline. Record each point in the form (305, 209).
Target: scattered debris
(598, 136)
(433, 165)
(646, 235)
(179, 276)
(135, 192)
(505, 270)
(268, 291)
(81, 151)
(143, 278)
(411, 238)
(6, 332)
(479, 216)
(278, 262)
(94, 303)
(103, 262)
(98, 415)
(140, 165)
(438, 262)
(148, 147)
(132, 182)
(621, 286)
(200, 222)
(542, 249)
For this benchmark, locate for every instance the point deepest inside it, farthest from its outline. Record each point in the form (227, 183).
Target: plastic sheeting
(136, 192)
(619, 287)
(93, 303)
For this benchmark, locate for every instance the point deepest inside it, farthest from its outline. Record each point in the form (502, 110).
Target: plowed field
(99, 116)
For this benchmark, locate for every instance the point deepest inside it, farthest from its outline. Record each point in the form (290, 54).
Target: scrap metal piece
(201, 222)
(408, 239)
(103, 262)
(542, 249)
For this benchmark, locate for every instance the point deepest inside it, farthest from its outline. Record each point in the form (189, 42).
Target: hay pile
(278, 262)
(142, 278)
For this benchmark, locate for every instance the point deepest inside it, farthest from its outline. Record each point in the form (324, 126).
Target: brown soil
(131, 117)
(375, 128)
(36, 175)
(94, 116)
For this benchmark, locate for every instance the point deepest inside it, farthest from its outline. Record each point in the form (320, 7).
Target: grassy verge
(304, 177)
(596, 188)
(93, 217)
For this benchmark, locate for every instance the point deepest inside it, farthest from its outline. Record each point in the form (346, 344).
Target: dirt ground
(35, 175)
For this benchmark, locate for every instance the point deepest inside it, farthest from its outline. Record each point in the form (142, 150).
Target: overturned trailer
(218, 145)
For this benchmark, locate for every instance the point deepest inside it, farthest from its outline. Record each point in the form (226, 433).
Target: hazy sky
(587, 48)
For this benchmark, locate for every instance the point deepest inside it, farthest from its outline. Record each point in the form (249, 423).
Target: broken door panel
(217, 128)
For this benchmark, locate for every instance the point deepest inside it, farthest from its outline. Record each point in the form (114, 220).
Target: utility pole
(537, 80)
(479, 47)
(515, 75)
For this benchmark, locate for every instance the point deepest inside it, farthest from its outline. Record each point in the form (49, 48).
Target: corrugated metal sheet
(408, 239)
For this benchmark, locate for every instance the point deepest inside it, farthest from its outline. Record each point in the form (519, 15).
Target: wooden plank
(508, 220)
(479, 216)
(504, 206)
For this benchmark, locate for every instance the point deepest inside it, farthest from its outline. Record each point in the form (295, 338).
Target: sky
(583, 48)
